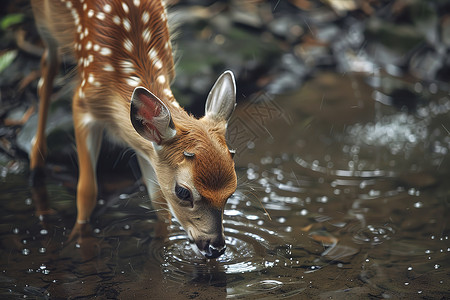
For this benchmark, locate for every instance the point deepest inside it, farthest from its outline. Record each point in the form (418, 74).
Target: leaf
(6, 59)
(10, 20)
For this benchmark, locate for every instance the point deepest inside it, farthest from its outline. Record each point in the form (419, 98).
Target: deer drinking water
(124, 69)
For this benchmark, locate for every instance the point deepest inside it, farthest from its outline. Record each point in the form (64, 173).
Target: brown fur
(109, 68)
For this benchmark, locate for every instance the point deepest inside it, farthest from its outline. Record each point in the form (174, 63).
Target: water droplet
(374, 193)
(28, 201)
(436, 266)
(406, 283)
(418, 204)
(42, 250)
(410, 268)
(44, 231)
(303, 212)
(323, 199)
(126, 227)
(26, 251)
(16, 230)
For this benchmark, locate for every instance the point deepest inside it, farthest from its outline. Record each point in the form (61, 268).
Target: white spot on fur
(152, 54)
(146, 35)
(168, 93)
(116, 20)
(145, 17)
(175, 103)
(136, 3)
(86, 31)
(125, 8)
(126, 24)
(84, 6)
(90, 13)
(107, 8)
(79, 28)
(108, 68)
(127, 66)
(88, 45)
(75, 16)
(96, 47)
(69, 5)
(128, 45)
(161, 79)
(105, 51)
(158, 64)
(100, 16)
(133, 81)
(91, 78)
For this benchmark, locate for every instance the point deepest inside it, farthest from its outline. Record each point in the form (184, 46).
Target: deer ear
(222, 98)
(150, 117)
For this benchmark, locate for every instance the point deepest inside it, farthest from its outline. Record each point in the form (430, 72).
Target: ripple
(373, 234)
(266, 288)
(248, 250)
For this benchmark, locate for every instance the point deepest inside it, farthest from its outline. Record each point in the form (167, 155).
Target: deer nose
(215, 252)
(212, 248)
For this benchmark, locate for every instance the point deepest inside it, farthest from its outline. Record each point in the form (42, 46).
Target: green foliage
(6, 59)
(10, 20)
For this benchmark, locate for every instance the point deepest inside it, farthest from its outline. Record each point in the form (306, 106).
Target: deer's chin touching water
(124, 69)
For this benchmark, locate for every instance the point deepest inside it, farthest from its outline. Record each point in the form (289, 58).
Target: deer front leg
(88, 137)
(155, 194)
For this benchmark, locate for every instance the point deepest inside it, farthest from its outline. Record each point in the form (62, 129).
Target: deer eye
(182, 193)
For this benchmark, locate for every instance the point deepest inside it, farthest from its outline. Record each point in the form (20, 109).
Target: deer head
(193, 165)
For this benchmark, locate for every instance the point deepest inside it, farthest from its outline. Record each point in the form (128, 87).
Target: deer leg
(88, 137)
(49, 69)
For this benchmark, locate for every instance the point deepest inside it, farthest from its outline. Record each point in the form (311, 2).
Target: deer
(124, 68)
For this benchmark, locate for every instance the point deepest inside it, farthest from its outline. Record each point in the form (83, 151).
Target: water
(348, 205)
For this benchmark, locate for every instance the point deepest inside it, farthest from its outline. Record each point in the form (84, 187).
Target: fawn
(124, 69)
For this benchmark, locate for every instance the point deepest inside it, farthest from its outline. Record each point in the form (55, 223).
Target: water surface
(340, 196)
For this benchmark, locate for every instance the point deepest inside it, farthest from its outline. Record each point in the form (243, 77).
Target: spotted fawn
(124, 68)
